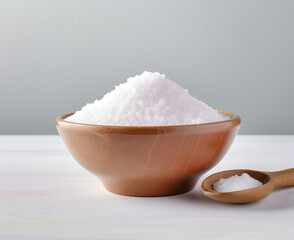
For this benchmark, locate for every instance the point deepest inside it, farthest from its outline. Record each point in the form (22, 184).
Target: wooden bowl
(148, 160)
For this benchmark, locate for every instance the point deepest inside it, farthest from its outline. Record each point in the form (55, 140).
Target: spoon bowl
(269, 180)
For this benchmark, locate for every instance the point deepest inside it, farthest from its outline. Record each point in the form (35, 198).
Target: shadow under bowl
(148, 160)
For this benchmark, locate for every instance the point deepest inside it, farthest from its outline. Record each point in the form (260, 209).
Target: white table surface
(45, 194)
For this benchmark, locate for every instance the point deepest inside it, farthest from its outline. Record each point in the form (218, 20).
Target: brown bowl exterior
(148, 160)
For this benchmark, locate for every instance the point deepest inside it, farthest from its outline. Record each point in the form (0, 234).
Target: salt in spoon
(269, 180)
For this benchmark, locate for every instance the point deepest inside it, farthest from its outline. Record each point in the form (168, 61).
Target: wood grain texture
(284, 178)
(149, 161)
(45, 194)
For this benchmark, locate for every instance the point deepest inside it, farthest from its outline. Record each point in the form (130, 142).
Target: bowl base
(147, 188)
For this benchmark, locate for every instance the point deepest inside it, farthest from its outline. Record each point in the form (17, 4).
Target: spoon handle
(284, 178)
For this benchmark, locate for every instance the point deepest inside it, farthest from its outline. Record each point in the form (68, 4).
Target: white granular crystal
(147, 100)
(236, 183)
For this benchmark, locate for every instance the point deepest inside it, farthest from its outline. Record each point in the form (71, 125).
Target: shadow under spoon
(269, 180)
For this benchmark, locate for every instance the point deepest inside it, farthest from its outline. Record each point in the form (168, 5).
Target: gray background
(55, 56)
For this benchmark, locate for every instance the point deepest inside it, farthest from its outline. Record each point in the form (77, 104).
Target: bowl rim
(234, 118)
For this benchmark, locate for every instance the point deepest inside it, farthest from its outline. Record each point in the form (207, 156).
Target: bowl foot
(149, 188)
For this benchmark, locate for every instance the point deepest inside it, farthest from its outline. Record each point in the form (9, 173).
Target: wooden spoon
(270, 180)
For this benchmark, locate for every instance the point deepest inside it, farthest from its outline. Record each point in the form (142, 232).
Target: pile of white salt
(236, 183)
(147, 100)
